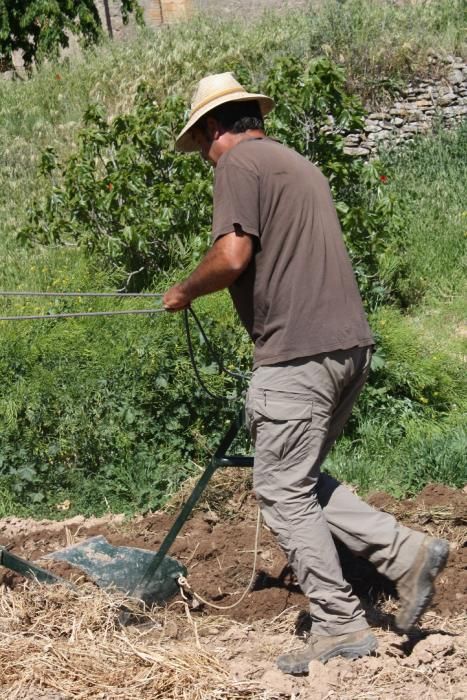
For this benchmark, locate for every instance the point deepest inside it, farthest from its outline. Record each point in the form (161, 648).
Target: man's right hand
(176, 298)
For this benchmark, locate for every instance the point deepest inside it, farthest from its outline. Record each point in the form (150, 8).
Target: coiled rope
(185, 586)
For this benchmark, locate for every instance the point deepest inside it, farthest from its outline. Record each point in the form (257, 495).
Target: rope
(184, 585)
(220, 364)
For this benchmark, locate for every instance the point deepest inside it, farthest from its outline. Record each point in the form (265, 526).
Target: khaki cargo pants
(295, 411)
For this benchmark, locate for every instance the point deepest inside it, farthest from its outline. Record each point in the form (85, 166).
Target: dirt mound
(217, 547)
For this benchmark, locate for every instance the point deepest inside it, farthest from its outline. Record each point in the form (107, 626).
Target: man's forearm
(219, 268)
(213, 273)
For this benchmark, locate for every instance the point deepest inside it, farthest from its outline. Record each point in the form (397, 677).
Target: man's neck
(227, 140)
(246, 135)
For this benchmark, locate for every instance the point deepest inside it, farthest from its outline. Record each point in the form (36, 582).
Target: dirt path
(217, 547)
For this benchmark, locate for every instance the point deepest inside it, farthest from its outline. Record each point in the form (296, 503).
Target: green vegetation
(107, 413)
(383, 43)
(434, 176)
(39, 29)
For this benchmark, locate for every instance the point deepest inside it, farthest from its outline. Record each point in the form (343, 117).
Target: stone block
(358, 151)
(446, 99)
(370, 128)
(415, 116)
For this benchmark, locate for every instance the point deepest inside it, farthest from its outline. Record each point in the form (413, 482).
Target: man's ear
(213, 128)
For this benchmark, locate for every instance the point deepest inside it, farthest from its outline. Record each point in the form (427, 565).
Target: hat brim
(185, 141)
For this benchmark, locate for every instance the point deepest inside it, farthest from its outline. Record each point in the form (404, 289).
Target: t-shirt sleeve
(236, 201)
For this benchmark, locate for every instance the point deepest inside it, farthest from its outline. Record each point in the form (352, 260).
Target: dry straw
(58, 644)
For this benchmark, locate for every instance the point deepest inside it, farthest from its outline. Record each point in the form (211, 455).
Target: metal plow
(151, 577)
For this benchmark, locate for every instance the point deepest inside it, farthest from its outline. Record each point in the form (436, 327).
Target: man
(277, 246)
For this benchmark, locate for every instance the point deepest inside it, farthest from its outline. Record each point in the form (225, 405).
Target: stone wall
(421, 103)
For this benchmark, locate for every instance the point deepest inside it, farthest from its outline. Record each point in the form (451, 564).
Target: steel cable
(78, 314)
(121, 295)
(51, 317)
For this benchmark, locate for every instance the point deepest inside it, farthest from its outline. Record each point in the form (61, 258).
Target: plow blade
(122, 568)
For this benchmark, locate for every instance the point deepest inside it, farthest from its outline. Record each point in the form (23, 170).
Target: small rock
(414, 128)
(427, 650)
(210, 517)
(415, 116)
(456, 77)
(378, 115)
(318, 680)
(424, 103)
(279, 682)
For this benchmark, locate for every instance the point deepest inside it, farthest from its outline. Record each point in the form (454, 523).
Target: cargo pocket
(280, 423)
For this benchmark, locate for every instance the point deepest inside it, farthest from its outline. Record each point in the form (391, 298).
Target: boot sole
(348, 651)
(437, 557)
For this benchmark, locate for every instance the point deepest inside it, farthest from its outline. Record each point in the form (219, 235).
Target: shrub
(143, 209)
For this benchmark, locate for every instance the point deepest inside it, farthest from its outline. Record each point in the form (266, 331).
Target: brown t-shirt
(298, 296)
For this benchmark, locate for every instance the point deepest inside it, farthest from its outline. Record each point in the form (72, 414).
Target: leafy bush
(126, 196)
(40, 28)
(109, 411)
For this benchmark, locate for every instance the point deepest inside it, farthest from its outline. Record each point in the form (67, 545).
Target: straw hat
(212, 91)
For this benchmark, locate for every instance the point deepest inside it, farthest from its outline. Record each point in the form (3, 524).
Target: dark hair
(237, 117)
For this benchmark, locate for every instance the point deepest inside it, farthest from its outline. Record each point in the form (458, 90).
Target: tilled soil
(58, 644)
(218, 551)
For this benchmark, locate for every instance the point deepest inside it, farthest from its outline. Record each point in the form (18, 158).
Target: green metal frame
(218, 460)
(28, 569)
(158, 567)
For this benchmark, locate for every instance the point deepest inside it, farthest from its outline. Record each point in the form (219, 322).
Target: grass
(119, 464)
(429, 179)
(402, 460)
(383, 43)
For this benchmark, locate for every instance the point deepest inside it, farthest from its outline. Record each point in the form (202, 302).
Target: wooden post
(108, 19)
